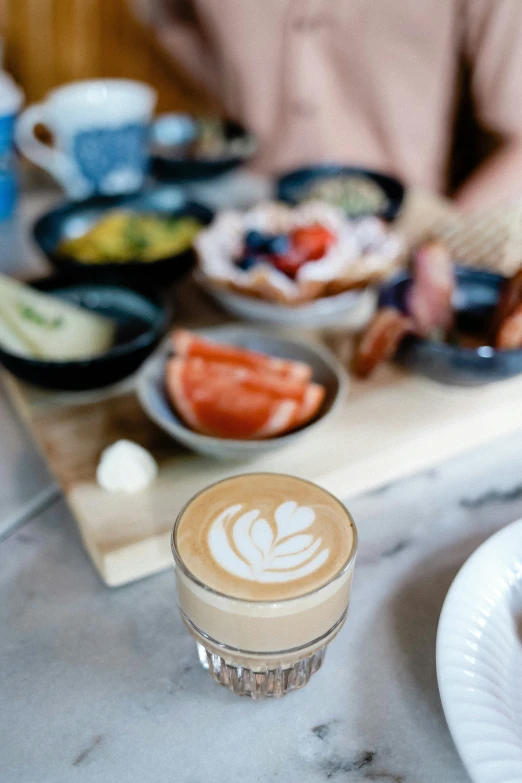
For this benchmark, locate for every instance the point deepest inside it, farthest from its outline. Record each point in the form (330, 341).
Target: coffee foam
(264, 537)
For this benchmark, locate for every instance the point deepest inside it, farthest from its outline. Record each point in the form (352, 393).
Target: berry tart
(292, 255)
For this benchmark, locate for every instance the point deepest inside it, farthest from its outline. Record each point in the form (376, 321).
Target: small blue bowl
(293, 185)
(476, 295)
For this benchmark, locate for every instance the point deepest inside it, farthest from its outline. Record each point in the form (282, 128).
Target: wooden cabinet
(49, 42)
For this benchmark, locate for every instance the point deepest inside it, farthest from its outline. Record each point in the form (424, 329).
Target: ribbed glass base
(268, 683)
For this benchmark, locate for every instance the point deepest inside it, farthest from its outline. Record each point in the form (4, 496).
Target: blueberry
(255, 241)
(279, 244)
(246, 263)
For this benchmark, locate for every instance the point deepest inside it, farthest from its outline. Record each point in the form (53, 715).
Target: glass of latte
(264, 566)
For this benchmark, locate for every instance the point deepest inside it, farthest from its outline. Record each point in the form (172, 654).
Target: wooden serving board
(389, 427)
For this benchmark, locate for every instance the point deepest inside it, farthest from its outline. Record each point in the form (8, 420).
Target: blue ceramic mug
(100, 130)
(11, 100)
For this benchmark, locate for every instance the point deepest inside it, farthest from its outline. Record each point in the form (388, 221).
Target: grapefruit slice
(310, 396)
(310, 403)
(188, 344)
(251, 378)
(216, 404)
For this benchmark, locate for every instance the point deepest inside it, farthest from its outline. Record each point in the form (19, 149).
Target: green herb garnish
(135, 238)
(31, 314)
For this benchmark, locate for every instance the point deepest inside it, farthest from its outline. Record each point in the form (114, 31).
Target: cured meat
(510, 298)
(509, 334)
(430, 296)
(381, 340)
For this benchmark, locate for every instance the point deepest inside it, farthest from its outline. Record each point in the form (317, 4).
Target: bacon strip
(381, 340)
(509, 334)
(510, 298)
(430, 297)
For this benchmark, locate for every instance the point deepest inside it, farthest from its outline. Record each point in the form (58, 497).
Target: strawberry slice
(311, 242)
(289, 263)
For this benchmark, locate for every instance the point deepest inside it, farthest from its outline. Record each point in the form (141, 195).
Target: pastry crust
(366, 251)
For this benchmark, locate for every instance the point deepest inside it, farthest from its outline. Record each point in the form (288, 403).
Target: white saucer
(479, 659)
(349, 308)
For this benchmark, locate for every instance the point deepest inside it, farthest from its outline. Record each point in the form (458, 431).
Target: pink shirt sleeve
(493, 45)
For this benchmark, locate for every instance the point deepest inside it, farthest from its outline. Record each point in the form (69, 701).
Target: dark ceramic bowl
(476, 296)
(73, 219)
(141, 322)
(293, 185)
(169, 165)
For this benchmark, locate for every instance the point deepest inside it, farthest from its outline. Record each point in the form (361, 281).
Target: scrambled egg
(124, 236)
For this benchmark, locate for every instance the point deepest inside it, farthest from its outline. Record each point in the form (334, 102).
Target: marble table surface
(103, 685)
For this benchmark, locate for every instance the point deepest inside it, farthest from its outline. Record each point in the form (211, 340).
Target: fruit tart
(293, 255)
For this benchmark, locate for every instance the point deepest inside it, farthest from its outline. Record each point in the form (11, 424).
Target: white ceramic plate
(348, 308)
(479, 659)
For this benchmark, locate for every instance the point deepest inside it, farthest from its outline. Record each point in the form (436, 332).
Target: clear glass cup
(287, 638)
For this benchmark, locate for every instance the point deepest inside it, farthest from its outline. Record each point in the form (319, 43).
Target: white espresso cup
(100, 130)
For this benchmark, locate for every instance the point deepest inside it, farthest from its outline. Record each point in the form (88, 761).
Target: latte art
(264, 537)
(264, 566)
(249, 547)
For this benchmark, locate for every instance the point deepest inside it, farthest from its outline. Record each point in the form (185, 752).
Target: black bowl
(166, 166)
(73, 218)
(141, 322)
(476, 296)
(292, 186)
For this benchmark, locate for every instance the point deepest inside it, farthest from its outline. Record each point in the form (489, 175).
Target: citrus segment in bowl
(189, 344)
(229, 392)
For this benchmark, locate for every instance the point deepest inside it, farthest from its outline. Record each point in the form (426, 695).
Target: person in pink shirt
(368, 82)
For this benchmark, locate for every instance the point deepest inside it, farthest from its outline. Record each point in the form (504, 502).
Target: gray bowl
(152, 396)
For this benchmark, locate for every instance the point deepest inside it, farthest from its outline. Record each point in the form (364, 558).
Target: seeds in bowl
(354, 194)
